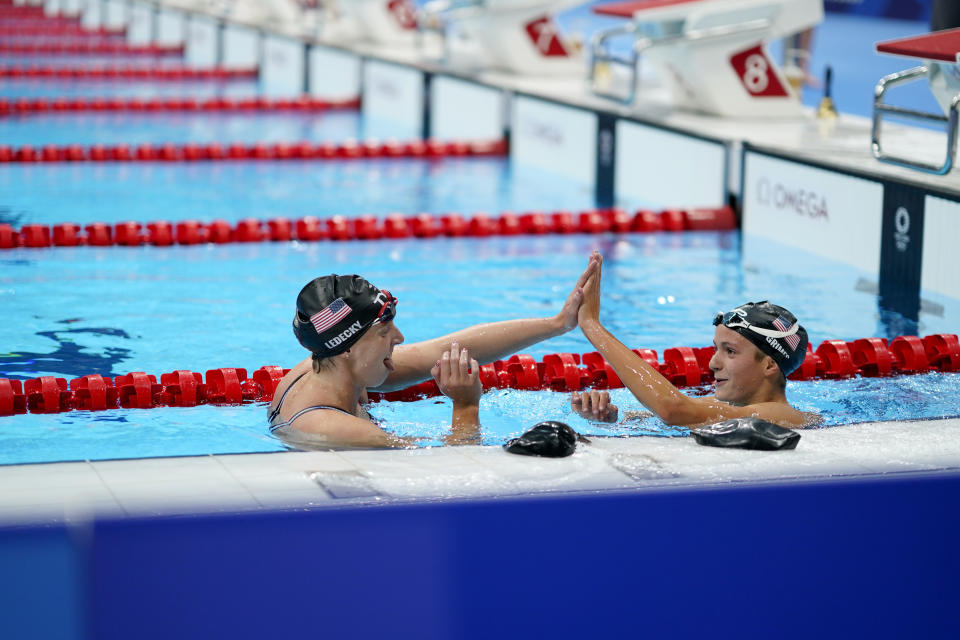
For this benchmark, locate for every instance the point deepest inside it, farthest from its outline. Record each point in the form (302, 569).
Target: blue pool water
(112, 192)
(505, 414)
(179, 128)
(70, 88)
(74, 311)
(111, 311)
(87, 60)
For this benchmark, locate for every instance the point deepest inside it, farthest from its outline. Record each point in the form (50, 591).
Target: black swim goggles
(737, 318)
(389, 309)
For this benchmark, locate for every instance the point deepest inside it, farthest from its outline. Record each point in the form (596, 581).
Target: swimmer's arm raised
(646, 383)
(487, 342)
(672, 406)
(648, 386)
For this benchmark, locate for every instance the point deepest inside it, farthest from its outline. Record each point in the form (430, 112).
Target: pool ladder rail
(562, 372)
(947, 122)
(940, 52)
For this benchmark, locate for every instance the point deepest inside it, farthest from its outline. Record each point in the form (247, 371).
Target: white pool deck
(75, 492)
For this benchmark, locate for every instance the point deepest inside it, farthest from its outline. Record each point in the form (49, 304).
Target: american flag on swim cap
(331, 315)
(782, 325)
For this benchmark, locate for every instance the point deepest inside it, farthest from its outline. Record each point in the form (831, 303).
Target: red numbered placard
(757, 74)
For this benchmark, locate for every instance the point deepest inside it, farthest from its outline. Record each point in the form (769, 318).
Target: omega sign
(543, 131)
(802, 202)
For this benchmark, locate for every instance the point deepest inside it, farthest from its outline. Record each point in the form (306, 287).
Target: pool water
(233, 190)
(68, 312)
(67, 88)
(110, 311)
(504, 414)
(178, 128)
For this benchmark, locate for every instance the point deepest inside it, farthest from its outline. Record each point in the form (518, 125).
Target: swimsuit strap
(276, 412)
(279, 425)
(273, 415)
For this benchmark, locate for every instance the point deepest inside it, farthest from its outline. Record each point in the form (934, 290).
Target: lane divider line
(97, 48)
(31, 106)
(191, 152)
(340, 228)
(54, 30)
(563, 372)
(171, 73)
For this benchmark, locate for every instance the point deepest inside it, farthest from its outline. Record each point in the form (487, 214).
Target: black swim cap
(333, 312)
(747, 433)
(773, 330)
(550, 439)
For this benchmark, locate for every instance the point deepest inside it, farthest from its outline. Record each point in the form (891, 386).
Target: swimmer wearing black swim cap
(757, 345)
(350, 328)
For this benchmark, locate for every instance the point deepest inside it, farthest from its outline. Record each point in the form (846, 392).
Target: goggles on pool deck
(735, 318)
(389, 309)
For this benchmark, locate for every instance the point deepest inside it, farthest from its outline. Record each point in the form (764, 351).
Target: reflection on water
(68, 359)
(507, 413)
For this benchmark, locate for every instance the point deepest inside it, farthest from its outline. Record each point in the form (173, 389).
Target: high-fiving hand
(568, 315)
(590, 305)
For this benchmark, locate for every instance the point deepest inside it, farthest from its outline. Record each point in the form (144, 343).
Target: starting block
(377, 21)
(940, 52)
(518, 36)
(711, 53)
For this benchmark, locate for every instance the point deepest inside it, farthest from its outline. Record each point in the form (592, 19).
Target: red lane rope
(339, 228)
(28, 106)
(127, 73)
(99, 48)
(683, 366)
(14, 19)
(190, 152)
(43, 29)
(18, 11)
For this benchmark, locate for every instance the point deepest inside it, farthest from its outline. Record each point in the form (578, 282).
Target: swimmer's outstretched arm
(653, 390)
(486, 342)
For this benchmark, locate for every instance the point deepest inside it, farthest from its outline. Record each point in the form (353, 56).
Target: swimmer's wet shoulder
(780, 413)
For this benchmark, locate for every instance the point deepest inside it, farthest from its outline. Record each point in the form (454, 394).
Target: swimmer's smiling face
(371, 356)
(739, 372)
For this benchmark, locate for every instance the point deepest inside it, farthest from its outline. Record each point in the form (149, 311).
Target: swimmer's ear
(770, 366)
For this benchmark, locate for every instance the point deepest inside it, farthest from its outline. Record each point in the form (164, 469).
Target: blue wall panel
(900, 9)
(42, 588)
(860, 558)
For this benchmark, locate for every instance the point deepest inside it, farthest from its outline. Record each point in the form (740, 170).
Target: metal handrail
(880, 109)
(442, 11)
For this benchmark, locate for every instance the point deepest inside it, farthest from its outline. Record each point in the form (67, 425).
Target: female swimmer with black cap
(348, 326)
(757, 346)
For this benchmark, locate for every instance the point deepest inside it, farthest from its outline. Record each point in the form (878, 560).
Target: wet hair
(319, 363)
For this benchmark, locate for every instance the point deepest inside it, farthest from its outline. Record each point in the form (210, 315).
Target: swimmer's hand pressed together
(595, 406)
(413, 363)
(458, 377)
